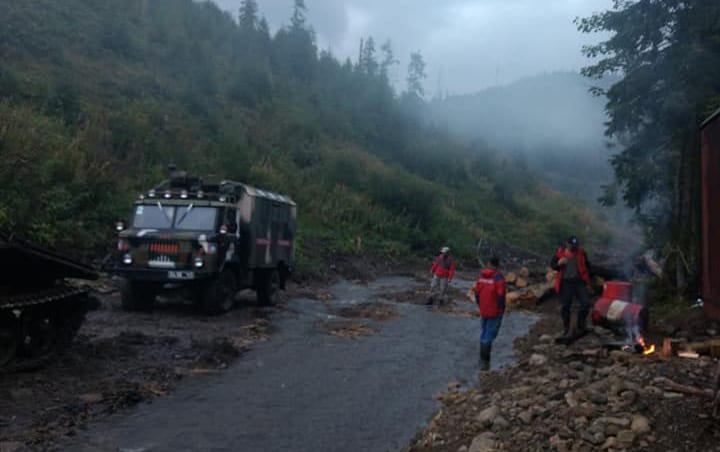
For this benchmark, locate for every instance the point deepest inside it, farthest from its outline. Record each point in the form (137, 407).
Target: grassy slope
(97, 97)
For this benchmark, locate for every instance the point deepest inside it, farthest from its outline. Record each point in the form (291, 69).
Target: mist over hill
(551, 120)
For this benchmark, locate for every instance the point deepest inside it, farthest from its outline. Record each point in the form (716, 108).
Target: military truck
(212, 239)
(40, 310)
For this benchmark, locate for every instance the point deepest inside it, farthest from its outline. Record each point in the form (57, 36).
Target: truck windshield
(195, 218)
(155, 217)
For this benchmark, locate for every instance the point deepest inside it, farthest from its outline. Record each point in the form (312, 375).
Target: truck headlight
(127, 259)
(199, 262)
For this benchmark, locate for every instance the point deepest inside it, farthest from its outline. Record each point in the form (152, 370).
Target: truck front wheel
(137, 296)
(218, 296)
(268, 287)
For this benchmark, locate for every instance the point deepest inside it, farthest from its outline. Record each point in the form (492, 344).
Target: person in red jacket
(443, 271)
(490, 297)
(573, 276)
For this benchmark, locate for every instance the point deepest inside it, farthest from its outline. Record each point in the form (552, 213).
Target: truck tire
(218, 296)
(268, 287)
(137, 296)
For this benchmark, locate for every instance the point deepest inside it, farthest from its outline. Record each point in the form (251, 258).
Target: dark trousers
(569, 289)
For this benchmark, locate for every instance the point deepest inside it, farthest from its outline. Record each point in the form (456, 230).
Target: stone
(570, 399)
(484, 442)
(463, 449)
(91, 398)
(20, 394)
(526, 417)
(488, 415)
(640, 424)
(576, 365)
(12, 446)
(626, 437)
(619, 421)
(628, 396)
(599, 398)
(537, 359)
(672, 395)
(609, 443)
(546, 338)
(500, 423)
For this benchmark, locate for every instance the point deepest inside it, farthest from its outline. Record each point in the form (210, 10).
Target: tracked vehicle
(211, 239)
(40, 312)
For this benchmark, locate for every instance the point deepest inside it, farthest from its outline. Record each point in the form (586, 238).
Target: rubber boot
(565, 313)
(485, 350)
(581, 322)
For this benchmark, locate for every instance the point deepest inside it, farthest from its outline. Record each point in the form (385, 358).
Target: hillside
(551, 120)
(97, 97)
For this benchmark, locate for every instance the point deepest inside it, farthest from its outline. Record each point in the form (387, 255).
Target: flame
(647, 350)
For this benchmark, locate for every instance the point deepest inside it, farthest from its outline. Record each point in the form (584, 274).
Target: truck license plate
(181, 275)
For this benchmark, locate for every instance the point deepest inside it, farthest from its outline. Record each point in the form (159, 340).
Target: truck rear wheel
(137, 296)
(268, 287)
(218, 296)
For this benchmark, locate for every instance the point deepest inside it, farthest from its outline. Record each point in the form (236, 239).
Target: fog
(468, 44)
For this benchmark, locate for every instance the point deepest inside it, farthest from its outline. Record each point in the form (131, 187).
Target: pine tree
(248, 18)
(416, 75)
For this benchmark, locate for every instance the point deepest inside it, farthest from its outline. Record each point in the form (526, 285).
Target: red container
(618, 290)
(710, 177)
(616, 309)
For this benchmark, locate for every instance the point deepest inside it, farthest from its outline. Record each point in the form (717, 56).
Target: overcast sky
(468, 44)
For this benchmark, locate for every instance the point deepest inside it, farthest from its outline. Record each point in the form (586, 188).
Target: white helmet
(444, 249)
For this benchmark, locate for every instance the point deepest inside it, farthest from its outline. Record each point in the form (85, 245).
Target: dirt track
(118, 361)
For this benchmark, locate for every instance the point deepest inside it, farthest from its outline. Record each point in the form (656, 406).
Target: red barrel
(616, 309)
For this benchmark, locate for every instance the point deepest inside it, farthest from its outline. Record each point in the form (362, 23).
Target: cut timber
(684, 389)
(524, 272)
(690, 355)
(510, 278)
(528, 297)
(521, 283)
(550, 276)
(710, 347)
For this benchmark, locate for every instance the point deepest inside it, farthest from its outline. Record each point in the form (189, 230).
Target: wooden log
(671, 346)
(521, 283)
(684, 389)
(710, 347)
(524, 272)
(510, 278)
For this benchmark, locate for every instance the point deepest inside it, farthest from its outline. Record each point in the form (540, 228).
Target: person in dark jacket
(490, 297)
(573, 275)
(443, 271)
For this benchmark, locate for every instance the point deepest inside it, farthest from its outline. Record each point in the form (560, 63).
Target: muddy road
(356, 368)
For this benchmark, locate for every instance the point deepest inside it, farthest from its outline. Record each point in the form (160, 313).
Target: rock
(546, 338)
(91, 398)
(570, 399)
(626, 437)
(526, 417)
(564, 383)
(576, 365)
(488, 415)
(463, 449)
(599, 398)
(19, 394)
(628, 396)
(609, 443)
(500, 423)
(484, 442)
(640, 425)
(672, 395)
(537, 360)
(12, 446)
(619, 421)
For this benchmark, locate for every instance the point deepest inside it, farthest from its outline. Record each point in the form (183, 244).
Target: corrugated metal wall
(711, 215)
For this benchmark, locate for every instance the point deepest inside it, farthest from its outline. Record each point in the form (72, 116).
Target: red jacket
(582, 264)
(443, 267)
(490, 293)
